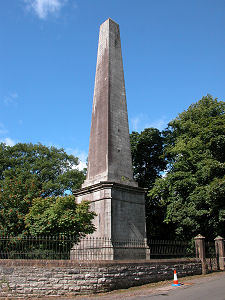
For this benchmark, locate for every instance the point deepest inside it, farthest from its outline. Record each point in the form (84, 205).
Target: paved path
(209, 287)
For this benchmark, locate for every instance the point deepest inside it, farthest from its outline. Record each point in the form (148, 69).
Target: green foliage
(59, 216)
(53, 167)
(193, 191)
(29, 171)
(148, 163)
(16, 195)
(147, 150)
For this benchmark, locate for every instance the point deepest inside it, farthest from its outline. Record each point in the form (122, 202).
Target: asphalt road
(210, 287)
(207, 289)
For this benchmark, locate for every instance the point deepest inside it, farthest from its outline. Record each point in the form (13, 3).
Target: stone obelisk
(109, 156)
(109, 186)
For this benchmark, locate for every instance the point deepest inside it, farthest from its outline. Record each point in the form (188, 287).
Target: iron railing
(36, 247)
(90, 248)
(210, 255)
(171, 249)
(210, 250)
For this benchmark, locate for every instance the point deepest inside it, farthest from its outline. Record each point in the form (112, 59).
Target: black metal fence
(38, 247)
(210, 250)
(210, 255)
(90, 248)
(171, 249)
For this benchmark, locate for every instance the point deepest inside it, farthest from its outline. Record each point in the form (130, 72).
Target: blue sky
(173, 54)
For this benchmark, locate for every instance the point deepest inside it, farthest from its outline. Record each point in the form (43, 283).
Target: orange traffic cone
(175, 281)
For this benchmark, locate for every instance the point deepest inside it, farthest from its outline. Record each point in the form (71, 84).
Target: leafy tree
(29, 171)
(193, 191)
(148, 163)
(54, 168)
(147, 150)
(59, 216)
(16, 195)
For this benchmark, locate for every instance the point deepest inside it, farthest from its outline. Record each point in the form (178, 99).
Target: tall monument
(109, 186)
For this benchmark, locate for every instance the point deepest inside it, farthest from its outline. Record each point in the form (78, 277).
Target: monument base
(120, 223)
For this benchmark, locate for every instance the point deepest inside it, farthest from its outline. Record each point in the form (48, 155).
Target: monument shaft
(109, 156)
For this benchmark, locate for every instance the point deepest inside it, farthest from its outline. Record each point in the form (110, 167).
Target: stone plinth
(120, 218)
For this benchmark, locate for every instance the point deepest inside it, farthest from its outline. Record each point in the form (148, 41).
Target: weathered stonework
(109, 157)
(120, 213)
(56, 278)
(109, 186)
(122, 206)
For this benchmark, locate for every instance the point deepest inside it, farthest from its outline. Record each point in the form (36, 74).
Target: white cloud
(160, 124)
(82, 155)
(140, 122)
(81, 165)
(82, 159)
(3, 130)
(11, 98)
(43, 8)
(135, 123)
(8, 141)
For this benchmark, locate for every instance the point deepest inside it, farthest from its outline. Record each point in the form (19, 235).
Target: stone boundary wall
(39, 277)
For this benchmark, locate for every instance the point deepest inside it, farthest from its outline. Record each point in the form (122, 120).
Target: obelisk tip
(110, 20)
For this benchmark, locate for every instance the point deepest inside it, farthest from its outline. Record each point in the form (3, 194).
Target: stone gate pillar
(220, 253)
(200, 251)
